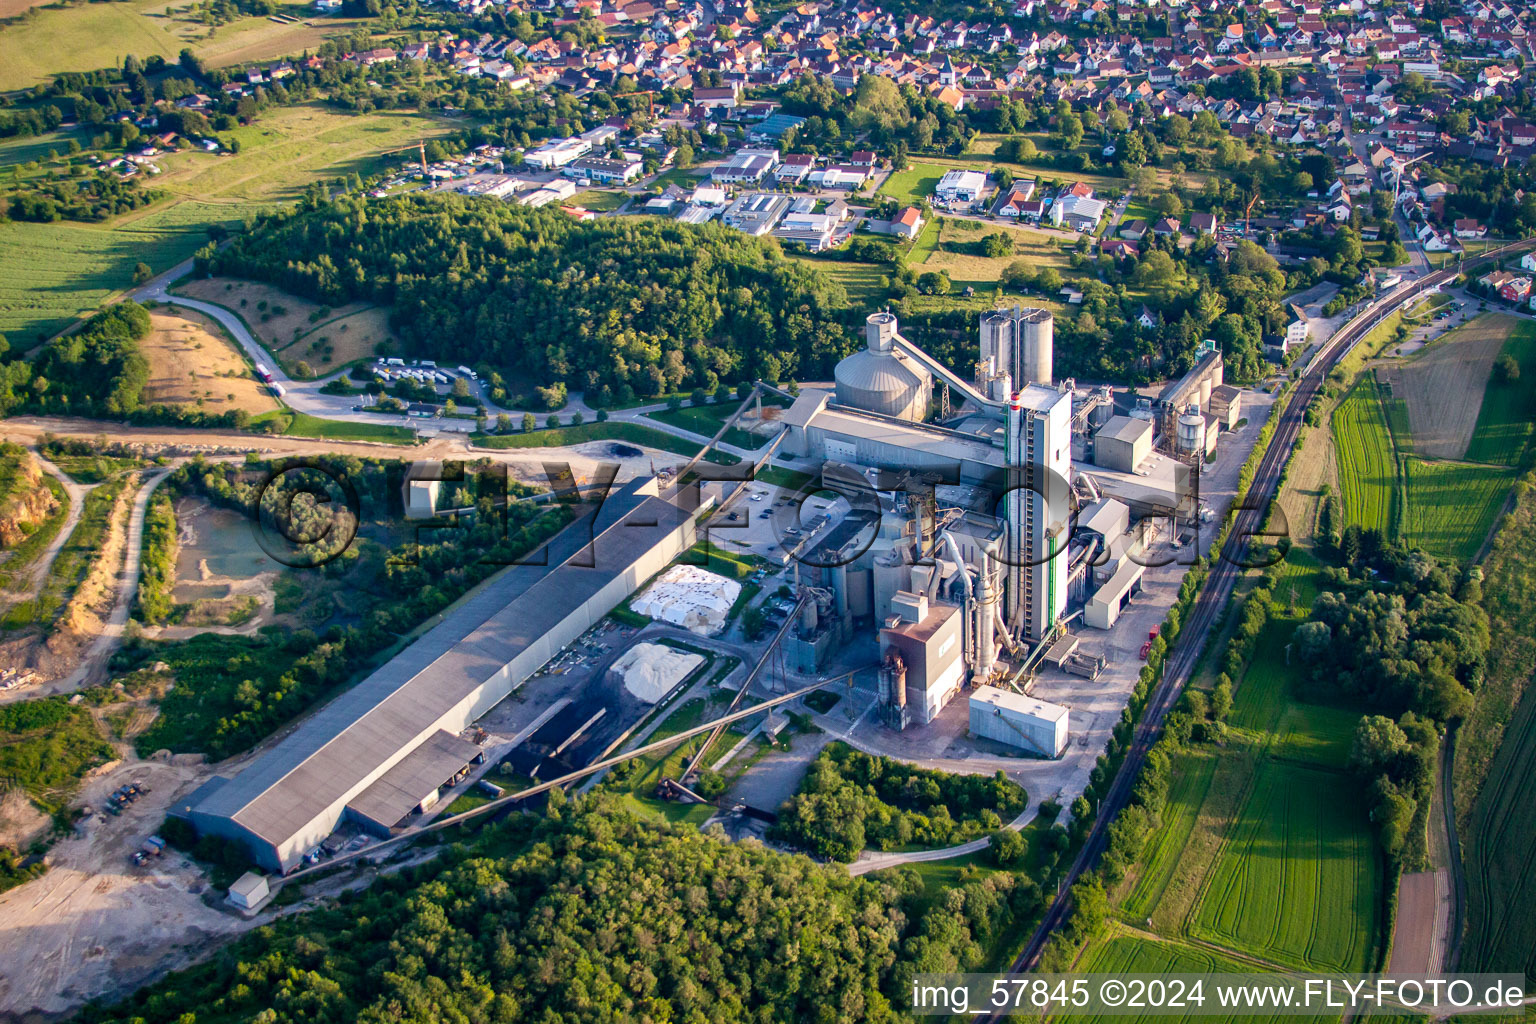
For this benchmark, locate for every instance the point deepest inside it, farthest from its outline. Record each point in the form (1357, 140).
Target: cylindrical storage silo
(1192, 430)
(881, 380)
(1037, 329)
(997, 340)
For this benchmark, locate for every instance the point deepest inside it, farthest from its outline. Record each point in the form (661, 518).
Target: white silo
(997, 341)
(1036, 330)
(1192, 430)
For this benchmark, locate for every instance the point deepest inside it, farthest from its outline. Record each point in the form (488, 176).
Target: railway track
(1223, 577)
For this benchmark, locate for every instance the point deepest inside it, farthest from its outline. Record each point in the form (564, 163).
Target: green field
(599, 200)
(51, 272)
(1501, 856)
(919, 180)
(1367, 465)
(88, 36)
(1506, 422)
(864, 282)
(1452, 506)
(1299, 878)
(299, 424)
(1315, 734)
(1160, 859)
(1133, 954)
(707, 419)
(1448, 508)
(634, 433)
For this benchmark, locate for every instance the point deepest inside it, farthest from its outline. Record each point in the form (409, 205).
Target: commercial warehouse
(386, 746)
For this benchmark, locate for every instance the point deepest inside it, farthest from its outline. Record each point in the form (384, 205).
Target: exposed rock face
(26, 503)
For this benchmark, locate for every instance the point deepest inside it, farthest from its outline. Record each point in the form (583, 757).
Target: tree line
(587, 914)
(850, 799)
(618, 308)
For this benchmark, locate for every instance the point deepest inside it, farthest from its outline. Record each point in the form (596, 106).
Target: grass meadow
(50, 273)
(87, 36)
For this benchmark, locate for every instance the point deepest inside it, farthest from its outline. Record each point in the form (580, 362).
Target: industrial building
(961, 186)
(387, 746)
(1031, 725)
(1123, 443)
(972, 534)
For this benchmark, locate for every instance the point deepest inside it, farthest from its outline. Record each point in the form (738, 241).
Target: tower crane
(421, 149)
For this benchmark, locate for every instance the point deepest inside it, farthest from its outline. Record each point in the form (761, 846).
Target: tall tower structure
(1037, 508)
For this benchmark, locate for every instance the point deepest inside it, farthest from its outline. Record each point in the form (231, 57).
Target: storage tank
(997, 340)
(881, 380)
(1036, 331)
(1192, 430)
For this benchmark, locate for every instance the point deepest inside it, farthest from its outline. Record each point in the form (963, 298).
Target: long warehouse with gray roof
(385, 747)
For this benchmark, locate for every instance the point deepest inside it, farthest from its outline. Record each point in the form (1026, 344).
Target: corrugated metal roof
(399, 790)
(326, 760)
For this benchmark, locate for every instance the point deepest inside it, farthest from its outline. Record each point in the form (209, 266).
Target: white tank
(997, 340)
(1192, 430)
(1036, 331)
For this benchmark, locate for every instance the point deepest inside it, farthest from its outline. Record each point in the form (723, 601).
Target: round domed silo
(882, 380)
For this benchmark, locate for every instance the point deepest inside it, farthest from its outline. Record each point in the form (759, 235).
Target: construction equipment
(649, 95)
(1247, 219)
(421, 149)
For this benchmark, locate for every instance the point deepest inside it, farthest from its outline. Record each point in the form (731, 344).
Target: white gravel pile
(650, 671)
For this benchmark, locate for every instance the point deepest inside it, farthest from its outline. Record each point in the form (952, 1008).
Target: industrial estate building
(972, 532)
(384, 748)
(969, 536)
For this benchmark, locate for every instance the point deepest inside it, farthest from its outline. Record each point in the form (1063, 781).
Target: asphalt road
(1218, 588)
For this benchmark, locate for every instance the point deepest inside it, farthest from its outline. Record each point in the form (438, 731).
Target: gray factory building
(1023, 722)
(386, 746)
(1122, 444)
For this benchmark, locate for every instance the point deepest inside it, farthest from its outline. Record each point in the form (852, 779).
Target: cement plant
(969, 570)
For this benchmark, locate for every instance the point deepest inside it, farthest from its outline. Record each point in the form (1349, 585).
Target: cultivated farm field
(1442, 385)
(1501, 857)
(1124, 955)
(60, 37)
(1160, 860)
(51, 272)
(1299, 879)
(1367, 466)
(1507, 420)
(1450, 507)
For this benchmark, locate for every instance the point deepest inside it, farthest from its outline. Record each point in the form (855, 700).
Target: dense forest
(590, 915)
(96, 371)
(617, 308)
(1398, 631)
(850, 799)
